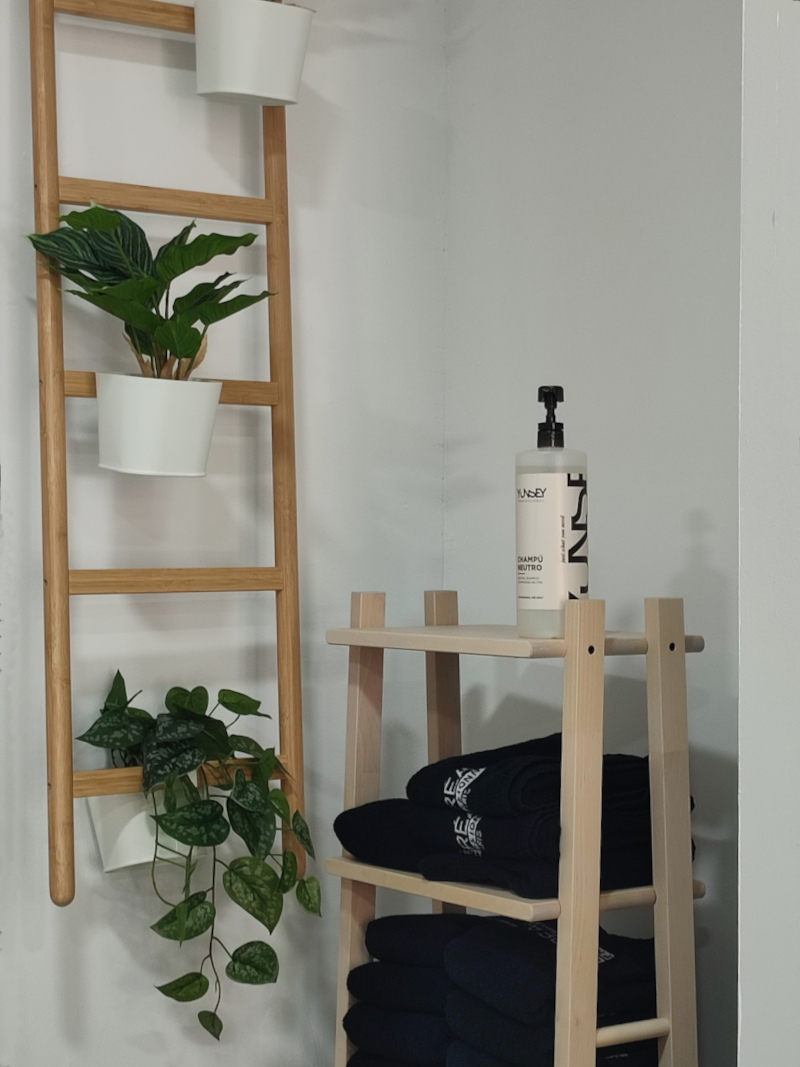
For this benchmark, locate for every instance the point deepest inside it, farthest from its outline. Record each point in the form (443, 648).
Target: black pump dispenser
(551, 433)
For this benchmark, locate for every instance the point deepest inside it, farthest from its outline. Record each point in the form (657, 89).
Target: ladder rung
(258, 394)
(175, 580)
(135, 12)
(625, 1033)
(166, 201)
(117, 780)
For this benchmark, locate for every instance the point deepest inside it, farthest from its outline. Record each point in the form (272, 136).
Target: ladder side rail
(670, 812)
(361, 786)
(579, 869)
(443, 694)
(53, 460)
(284, 481)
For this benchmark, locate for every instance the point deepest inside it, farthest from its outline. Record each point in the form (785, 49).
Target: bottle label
(552, 545)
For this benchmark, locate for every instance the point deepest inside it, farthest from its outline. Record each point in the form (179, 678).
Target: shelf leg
(361, 785)
(443, 682)
(579, 872)
(672, 847)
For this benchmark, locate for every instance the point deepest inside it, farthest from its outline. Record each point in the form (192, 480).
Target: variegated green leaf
(115, 729)
(253, 885)
(202, 824)
(186, 920)
(190, 986)
(255, 963)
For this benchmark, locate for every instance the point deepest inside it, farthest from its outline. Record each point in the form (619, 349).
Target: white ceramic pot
(250, 50)
(125, 831)
(155, 426)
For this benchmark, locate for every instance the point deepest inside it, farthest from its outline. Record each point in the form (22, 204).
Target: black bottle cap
(551, 433)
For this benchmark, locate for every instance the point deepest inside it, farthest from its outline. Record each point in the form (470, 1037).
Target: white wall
(366, 189)
(592, 241)
(770, 523)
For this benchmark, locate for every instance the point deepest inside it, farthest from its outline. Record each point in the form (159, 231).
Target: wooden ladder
(60, 582)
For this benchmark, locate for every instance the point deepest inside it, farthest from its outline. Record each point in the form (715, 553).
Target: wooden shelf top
(484, 898)
(487, 641)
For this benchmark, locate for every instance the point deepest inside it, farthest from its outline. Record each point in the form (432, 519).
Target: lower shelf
(484, 898)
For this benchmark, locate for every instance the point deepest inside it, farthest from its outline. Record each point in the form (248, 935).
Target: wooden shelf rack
(579, 902)
(53, 189)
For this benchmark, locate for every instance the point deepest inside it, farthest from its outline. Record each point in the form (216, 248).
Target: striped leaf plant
(107, 255)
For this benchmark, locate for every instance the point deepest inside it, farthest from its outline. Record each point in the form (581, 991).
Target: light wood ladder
(53, 189)
(579, 902)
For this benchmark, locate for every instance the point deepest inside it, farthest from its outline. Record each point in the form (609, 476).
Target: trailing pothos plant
(108, 256)
(169, 747)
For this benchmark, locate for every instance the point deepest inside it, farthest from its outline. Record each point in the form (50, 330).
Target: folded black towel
(410, 1037)
(531, 1046)
(401, 987)
(416, 940)
(461, 1054)
(535, 879)
(396, 833)
(365, 1059)
(517, 779)
(511, 966)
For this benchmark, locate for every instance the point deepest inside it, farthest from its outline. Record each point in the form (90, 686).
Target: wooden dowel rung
(625, 1033)
(81, 383)
(156, 201)
(117, 780)
(175, 580)
(159, 16)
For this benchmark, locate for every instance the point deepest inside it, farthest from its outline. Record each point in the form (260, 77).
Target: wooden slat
(443, 688)
(488, 641)
(625, 1033)
(361, 785)
(284, 485)
(175, 580)
(484, 898)
(579, 867)
(668, 733)
(153, 13)
(115, 780)
(159, 201)
(81, 383)
(53, 461)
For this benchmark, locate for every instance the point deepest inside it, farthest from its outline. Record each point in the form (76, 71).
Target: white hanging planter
(125, 831)
(155, 426)
(250, 51)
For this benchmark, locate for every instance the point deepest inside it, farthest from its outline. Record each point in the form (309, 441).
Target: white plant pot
(250, 51)
(125, 831)
(155, 426)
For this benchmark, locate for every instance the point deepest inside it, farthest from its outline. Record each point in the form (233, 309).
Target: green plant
(107, 254)
(169, 747)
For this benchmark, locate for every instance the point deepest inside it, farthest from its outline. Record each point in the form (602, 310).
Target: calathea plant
(108, 256)
(235, 794)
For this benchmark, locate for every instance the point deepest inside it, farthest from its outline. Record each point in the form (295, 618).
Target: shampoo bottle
(552, 528)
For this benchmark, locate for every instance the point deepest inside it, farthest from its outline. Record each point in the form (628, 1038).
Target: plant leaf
(302, 833)
(238, 703)
(179, 338)
(178, 240)
(160, 759)
(129, 310)
(191, 986)
(178, 258)
(210, 1021)
(117, 695)
(263, 771)
(93, 218)
(256, 829)
(215, 312)
(288, 872)
(242, 743)
(310, 895)
(115, 729)
(186, 920)
(180, 699)
(168, 728)
(247, 795)
(255, 963)
(202, 823)
(204, 293)
(279, 803)
(253, 885)
(82, 252)
(213, 738)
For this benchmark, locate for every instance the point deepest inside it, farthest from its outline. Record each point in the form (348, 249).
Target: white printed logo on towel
(468, 837)
(456, 790)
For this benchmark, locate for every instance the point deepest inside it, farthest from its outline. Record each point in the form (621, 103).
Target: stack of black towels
(493, 818)
(459, 990)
